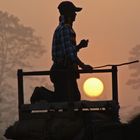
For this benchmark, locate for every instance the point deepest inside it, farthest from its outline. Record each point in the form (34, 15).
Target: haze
(112, 27)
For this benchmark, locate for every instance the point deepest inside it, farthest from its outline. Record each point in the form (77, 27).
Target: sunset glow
(112, 28)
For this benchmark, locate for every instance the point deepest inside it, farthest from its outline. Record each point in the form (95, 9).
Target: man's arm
(66, 39)
(82, 65)
(70, 50)
(83, 44)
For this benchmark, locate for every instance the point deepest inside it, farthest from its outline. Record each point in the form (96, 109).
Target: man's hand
(83, 44)
(86, 67)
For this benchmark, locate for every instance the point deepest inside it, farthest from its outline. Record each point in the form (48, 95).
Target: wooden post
(20, 92)
(115, 92)
(114, 84)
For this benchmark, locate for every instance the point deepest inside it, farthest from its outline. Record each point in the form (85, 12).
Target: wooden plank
(65, 105)
(40, 73)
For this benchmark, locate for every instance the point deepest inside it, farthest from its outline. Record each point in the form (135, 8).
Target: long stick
(136, 61)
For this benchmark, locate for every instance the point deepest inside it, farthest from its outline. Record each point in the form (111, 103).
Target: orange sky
(112, 27)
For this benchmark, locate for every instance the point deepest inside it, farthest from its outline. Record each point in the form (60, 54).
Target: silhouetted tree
(135, 76)
(19, 47)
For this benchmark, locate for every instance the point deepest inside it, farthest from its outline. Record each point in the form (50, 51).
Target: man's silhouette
(64, 71)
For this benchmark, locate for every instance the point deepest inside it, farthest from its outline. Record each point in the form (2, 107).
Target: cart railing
(22, 74)
(91, 104)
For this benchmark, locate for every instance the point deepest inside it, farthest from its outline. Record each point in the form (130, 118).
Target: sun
(93, 87)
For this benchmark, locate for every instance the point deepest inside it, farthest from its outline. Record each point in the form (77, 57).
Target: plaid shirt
(64, 43)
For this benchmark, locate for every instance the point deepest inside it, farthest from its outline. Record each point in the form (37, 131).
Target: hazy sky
(112, 27)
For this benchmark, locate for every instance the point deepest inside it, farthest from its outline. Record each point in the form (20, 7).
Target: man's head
(67, 8)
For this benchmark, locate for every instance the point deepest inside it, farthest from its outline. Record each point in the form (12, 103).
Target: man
(64, 71)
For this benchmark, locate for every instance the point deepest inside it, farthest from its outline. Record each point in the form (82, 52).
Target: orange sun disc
(93, 87)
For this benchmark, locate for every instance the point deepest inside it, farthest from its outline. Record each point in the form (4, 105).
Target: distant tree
(19, 48)
(134, 80)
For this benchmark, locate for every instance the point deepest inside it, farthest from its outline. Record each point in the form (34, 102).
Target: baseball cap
(66, 7)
